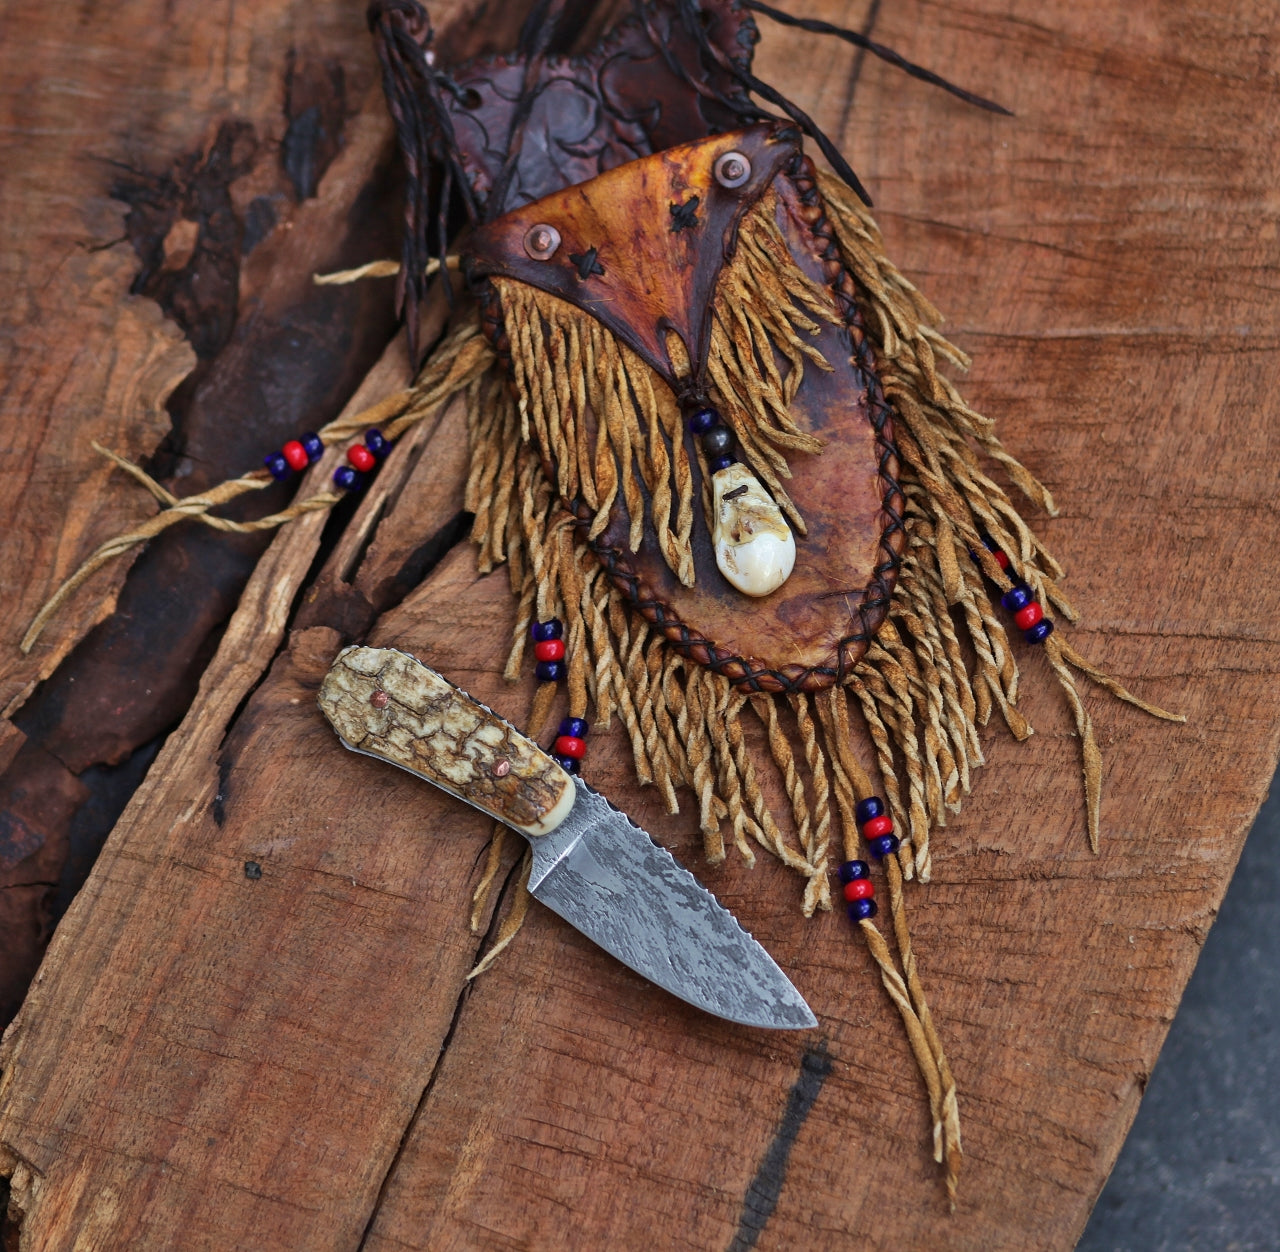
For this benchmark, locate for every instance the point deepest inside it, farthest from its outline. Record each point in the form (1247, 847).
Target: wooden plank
(137, 186)
(217, 193)
(208, 1060)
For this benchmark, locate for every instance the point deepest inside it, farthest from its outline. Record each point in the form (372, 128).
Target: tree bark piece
(208, 1060)
(38, 795)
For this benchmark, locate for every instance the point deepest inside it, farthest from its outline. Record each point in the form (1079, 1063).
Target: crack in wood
(855, 70)
(771, 1175)
(463, 995)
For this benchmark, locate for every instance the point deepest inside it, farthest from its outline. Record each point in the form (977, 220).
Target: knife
(591, 863)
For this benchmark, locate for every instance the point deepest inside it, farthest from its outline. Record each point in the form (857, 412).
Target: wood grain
(140, 187)
(84, 196)
(211, 1061)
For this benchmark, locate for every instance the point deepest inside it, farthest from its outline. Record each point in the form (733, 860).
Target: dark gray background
(1200, 1171)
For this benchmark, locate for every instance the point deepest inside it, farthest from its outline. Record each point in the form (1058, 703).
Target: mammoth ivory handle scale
(387, 704)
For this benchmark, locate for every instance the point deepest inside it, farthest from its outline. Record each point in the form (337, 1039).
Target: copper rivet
(379, 699)
(541, 241)
(732, 169)
(502, 768)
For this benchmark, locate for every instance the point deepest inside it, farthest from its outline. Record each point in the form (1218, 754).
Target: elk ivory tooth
(755, 548)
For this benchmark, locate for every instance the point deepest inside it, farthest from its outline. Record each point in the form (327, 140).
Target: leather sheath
(621, 261)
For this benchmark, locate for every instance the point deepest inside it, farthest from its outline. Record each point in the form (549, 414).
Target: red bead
(1001, 560)
(1028, 617)
(549, 650)
(296, 455)
(567, 745)
(361, 457)
(859, 889)
(876, 827)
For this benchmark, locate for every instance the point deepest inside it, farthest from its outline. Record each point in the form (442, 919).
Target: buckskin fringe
(921, 700)
(686, 728)
(599, 412)
(460, 358)
(951, 503)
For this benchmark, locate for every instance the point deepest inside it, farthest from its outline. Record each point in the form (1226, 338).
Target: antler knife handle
(387, 704)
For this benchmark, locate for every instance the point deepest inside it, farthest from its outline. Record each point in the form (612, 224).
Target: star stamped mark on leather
(684, 216)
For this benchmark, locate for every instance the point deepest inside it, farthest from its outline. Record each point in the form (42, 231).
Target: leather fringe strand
(462, 356)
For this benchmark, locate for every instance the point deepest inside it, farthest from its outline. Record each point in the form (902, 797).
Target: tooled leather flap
(630, 95)
(640, 247)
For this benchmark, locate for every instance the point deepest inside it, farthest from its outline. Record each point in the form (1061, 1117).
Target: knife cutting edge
(591, 863)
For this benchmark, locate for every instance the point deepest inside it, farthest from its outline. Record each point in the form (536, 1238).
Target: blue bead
(718, 441)
(871, 807)
(1039, 632)
(1017, 597)
(716, 464)
(278, 466)
(377, 442)
(883, 845)
(550, 671)
(854, 869)
(860, 910)
(987, 542)
(348, 479)
(703, 420)
(313, 446)
(550, 629)
(574, 727)
(569, 764)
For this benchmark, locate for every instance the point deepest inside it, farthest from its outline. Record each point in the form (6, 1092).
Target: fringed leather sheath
(743, 302)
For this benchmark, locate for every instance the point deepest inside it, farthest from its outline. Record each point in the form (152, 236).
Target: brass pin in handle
(387, 704)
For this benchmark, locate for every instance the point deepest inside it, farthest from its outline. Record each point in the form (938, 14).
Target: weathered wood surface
(216, 192)
(297, 1061)
(136, 186)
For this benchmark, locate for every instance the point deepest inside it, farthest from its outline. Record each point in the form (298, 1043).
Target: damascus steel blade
(609, 880)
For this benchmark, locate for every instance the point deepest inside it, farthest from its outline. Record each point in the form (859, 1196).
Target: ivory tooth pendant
(754, 546)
